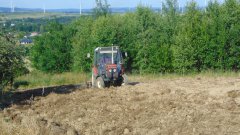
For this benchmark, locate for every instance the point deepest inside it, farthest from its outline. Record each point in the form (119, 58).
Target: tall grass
(206, 73)
(39, 79)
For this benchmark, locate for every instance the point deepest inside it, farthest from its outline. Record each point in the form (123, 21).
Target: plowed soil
(199, 105)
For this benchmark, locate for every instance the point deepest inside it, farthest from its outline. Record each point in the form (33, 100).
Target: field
(169, 105)
(36, 15)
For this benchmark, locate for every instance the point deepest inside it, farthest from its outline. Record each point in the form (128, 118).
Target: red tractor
(108, 67)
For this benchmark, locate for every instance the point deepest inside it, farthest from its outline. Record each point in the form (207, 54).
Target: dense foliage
(157, 42)
(12, 62)
(52, 51)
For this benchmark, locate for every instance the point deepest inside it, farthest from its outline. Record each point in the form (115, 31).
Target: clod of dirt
(16, 117)
(165, 91)
(56, 129)
(230, 104)
(6, 112)
(126, 131)
(71, 131)
(42, 122)
(233, 93)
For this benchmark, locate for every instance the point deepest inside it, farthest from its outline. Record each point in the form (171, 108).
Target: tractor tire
(125, 80)
(107, 84)
(100, 83)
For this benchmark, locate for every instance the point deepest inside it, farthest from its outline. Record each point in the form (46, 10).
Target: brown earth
(200, 105)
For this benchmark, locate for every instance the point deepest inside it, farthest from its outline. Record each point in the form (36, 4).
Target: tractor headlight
(110, 70)
(114, 70)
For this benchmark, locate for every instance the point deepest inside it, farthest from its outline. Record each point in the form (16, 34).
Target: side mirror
(88, 55)
(126, 54)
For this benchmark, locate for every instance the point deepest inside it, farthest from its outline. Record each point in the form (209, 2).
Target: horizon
(73, 4)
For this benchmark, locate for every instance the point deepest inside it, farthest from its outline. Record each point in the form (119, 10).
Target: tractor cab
(108, 68)
(107, 55)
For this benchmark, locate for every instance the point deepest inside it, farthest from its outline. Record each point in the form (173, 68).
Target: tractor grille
(112, 71)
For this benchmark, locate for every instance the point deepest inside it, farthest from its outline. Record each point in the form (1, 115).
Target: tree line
(157, 42)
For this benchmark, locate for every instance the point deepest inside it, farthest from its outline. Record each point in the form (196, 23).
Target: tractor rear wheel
(100, 83)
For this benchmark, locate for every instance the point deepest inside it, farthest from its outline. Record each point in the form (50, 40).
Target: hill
(198, 105)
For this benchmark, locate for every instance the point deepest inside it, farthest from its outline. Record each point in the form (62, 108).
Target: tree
(82, 44)
(170, 19)
(12, 62)
(102, 8)
(52, 50)
(232, 27)
(147, 44)
(213, 52)
(190, 41)
(126, 37)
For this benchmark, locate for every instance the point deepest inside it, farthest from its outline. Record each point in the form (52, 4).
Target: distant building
(25, 41)
(33, 34)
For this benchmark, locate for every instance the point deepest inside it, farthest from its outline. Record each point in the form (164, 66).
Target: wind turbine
(80, 10)
(161, 6)
(11, 5)
(44, 8)
(13, 10)
(206, 2)
(179, 8)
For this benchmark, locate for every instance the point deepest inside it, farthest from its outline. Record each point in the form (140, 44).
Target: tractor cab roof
(111, 49)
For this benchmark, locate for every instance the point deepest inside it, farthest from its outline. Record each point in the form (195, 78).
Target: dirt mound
(29, 122)
(164, 106)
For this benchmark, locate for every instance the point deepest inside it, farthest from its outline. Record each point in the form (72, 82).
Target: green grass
(208, 73)
(38, 79)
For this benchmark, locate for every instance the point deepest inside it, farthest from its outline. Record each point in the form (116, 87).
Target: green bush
(52, 51)
(11, 62)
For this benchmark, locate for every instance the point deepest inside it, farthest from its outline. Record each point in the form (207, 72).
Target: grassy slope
(38, 79)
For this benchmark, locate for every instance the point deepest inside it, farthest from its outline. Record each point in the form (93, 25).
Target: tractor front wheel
(100, 83)
(125, 80)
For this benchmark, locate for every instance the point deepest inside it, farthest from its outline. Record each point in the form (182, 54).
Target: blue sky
(55, 4)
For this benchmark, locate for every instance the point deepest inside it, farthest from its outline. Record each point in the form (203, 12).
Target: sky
(86, 4)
